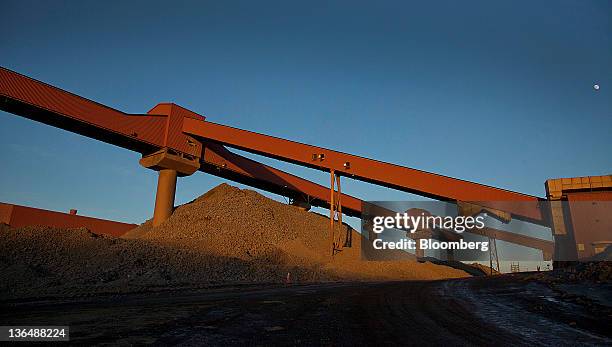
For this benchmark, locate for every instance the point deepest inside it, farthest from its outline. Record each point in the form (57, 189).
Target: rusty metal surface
(21, 216)
(368, 170)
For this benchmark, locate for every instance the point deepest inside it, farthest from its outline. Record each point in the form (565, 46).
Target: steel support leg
(164, 200)
(332, 207)
(335, 209)
(339, 200)
(169, 164)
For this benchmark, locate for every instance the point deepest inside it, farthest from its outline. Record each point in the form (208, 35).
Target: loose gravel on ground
(227, 236)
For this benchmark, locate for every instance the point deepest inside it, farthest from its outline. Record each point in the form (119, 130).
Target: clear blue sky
(494, 92)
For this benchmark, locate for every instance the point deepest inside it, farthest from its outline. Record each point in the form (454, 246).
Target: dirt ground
(507, 310)
(226, 236)
(215, 274)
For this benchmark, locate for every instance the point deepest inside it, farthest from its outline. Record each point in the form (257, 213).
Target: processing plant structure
(177, 142)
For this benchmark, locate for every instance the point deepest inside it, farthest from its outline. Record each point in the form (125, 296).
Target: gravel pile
(226, 236)
(599, 271)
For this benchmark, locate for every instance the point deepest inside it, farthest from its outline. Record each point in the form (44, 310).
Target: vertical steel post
(332, 208)
(164, 200)
(335, 207)
(339, 200)
(169, 165)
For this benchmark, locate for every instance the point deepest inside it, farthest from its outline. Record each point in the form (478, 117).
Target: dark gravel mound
(227, 236)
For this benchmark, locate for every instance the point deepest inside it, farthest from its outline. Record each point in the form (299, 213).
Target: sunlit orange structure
(20, 216)
(177, 142)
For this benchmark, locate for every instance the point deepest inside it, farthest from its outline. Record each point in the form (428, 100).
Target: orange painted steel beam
(419, 182)
(169, 125)
(163, 127)
(148, 133)
(547, 247)
(219, 161)
(47, 104)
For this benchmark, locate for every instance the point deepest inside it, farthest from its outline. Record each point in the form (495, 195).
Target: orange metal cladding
(163, 125)
(146, 134)
(20, 216)
(590, 219)
(423, 183)
(50, 105)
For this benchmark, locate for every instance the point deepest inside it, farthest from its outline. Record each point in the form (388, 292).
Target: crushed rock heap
(226, 236)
